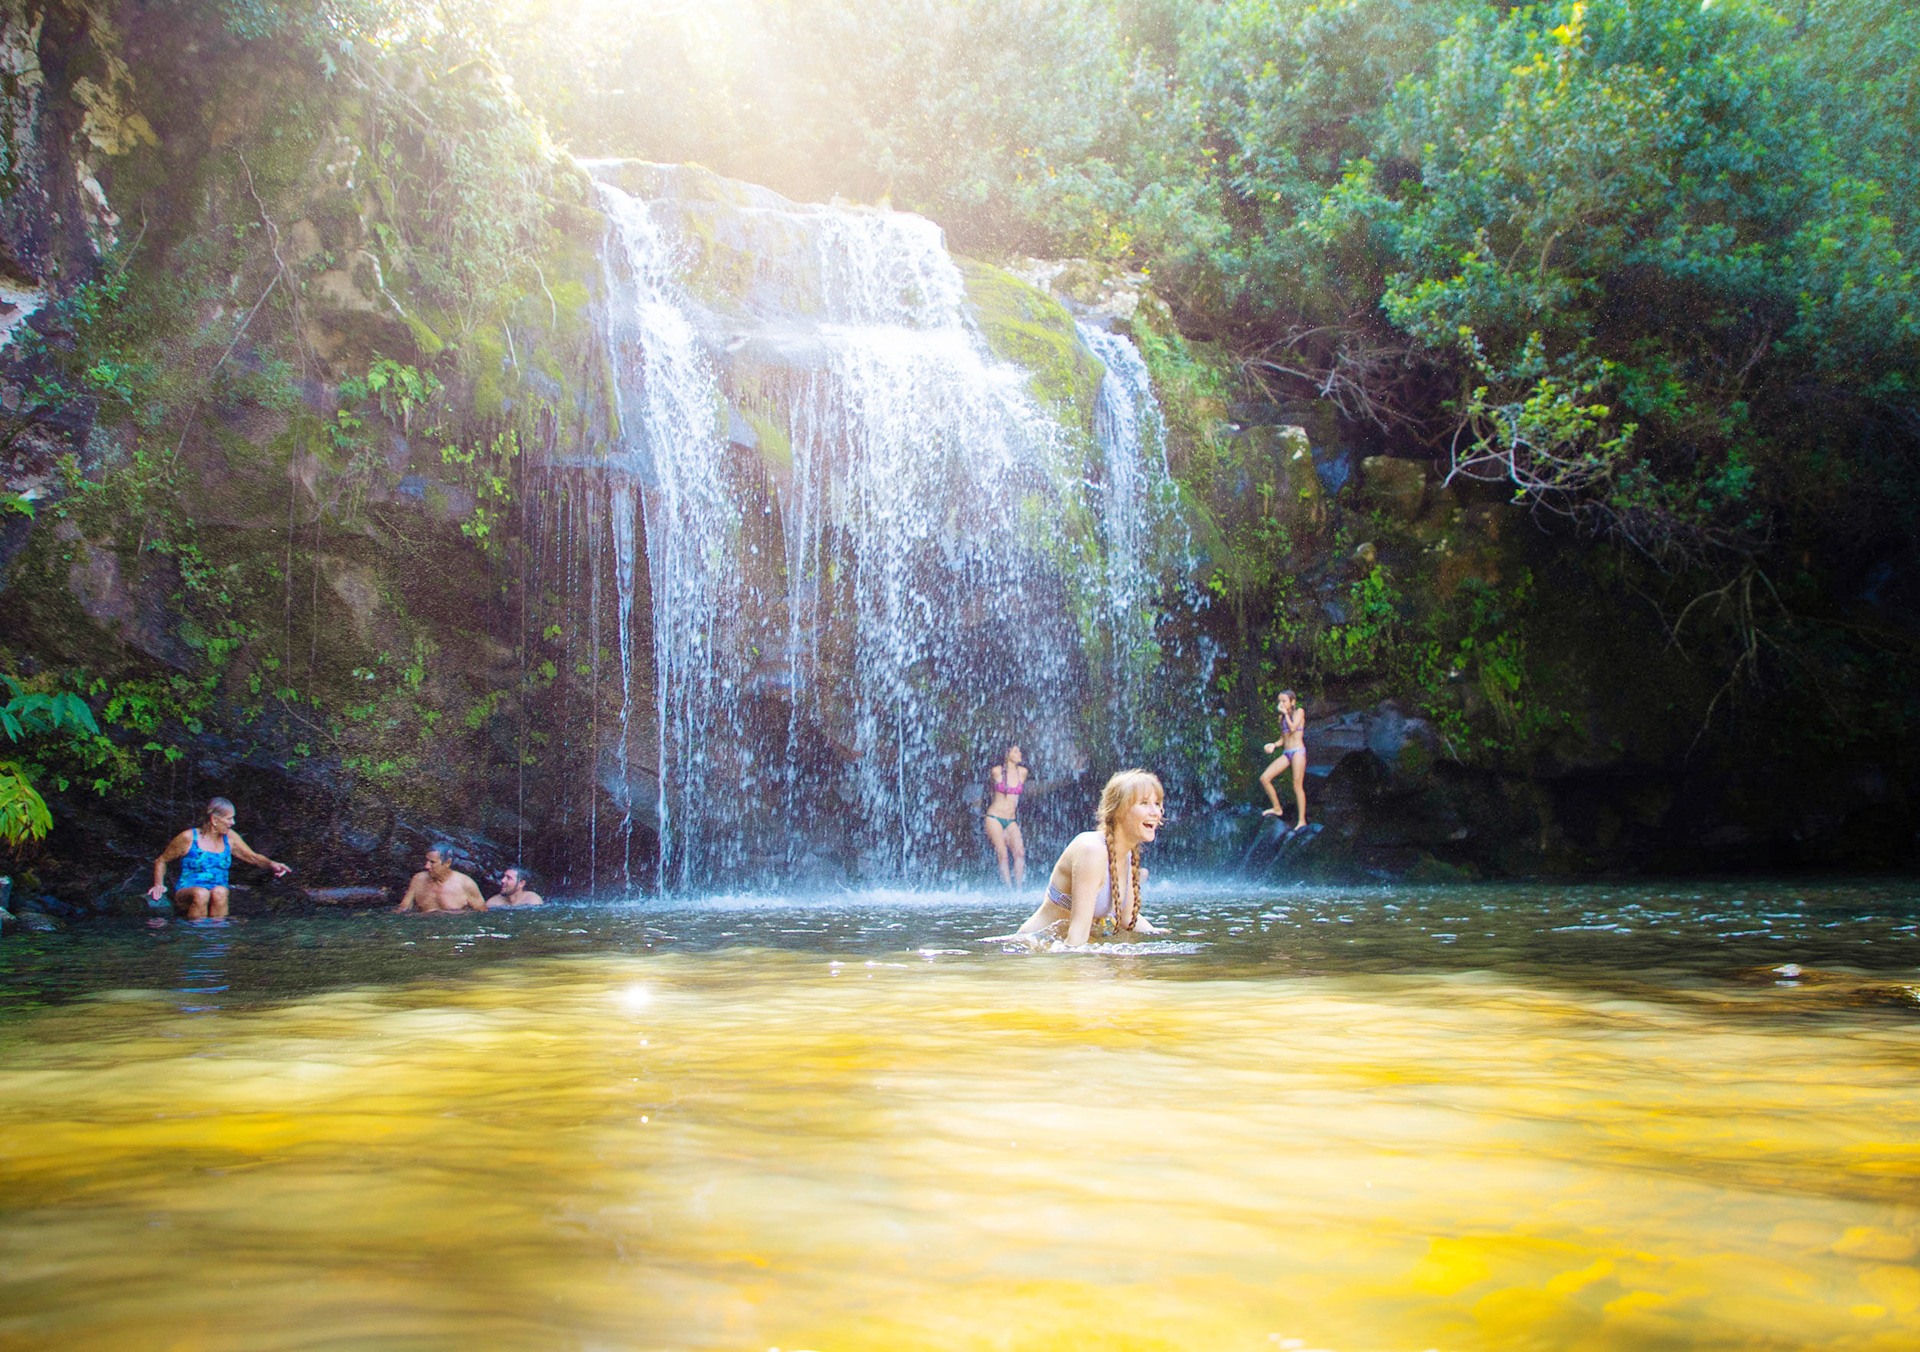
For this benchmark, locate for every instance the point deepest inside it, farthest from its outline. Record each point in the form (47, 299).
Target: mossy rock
(1398, 487)
(1299, 501)
(1193, 381)
(1031, 329)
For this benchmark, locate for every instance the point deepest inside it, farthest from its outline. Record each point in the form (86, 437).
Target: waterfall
(1136, 510)
(866, 552)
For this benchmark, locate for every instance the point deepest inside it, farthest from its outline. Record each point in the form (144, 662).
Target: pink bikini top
(1014, 791)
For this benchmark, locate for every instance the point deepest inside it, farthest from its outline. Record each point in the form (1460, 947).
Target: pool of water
(1381, 1118)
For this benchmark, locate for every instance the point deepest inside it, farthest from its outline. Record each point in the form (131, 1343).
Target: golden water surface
(761, 1148)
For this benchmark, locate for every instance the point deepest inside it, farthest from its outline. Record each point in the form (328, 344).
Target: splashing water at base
(872, 1132)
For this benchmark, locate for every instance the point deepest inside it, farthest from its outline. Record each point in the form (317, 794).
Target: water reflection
(1593, 1119)
(205, 972)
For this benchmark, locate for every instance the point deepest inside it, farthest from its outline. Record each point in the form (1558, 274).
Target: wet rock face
(136, 607)
(330, 657)
(40, 217)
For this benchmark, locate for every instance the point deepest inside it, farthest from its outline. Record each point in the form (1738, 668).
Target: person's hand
(157, 891)
(1270, 746)
(280, 870)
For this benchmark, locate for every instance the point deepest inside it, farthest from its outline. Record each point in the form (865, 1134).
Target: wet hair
(214, 805)
(444, 849)
(1122, 792)
(1286, 694)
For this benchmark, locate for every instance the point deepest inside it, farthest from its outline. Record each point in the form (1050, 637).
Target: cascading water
(868, 555)
(1138, 524)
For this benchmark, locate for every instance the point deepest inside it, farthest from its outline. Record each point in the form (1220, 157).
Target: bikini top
(1102, 900)
(1000, 785)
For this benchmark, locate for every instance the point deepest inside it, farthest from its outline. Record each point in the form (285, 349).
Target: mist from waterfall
(865, 556)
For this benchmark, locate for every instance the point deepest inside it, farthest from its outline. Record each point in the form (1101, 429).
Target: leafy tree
(32, 713)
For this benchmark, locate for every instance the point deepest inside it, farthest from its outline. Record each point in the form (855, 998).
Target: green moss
(776, 447)
(1029, 328)
(1193, 381)
(429, 343)
(484, 358)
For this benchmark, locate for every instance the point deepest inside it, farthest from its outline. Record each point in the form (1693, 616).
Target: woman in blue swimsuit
(1005, 783)
(1090, 888)
(206, 853)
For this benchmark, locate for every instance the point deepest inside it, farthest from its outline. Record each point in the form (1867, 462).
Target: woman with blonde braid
(1096, 884)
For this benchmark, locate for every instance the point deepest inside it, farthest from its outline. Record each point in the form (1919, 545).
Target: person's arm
(414, 887)
(497, 900)
(470, 892)
(248, 855)
(175, 849)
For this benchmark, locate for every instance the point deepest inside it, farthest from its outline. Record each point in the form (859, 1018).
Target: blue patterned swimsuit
(202, 867)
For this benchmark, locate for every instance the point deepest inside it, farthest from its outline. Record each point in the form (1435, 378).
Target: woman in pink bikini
(1005, 783)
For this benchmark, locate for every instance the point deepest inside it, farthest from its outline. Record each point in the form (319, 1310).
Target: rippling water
(1347, 1119)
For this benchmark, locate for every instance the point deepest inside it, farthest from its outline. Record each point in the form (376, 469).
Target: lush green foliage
(1650, 262)
(33, 713)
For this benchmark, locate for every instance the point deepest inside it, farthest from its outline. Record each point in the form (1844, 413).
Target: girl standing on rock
(1293, 750)
(206, 853)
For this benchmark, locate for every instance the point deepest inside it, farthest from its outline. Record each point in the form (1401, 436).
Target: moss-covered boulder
(1398, 487)
(1029, 328)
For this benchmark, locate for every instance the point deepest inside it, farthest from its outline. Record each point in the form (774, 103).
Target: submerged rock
(348, 896)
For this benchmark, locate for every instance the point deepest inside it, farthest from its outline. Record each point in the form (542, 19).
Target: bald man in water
(438, 886)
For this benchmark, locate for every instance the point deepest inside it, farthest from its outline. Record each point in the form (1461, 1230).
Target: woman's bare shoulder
(1088, 844)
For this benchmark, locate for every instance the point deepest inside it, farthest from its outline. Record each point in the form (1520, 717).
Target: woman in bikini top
(1005, 783)
(1081, 893)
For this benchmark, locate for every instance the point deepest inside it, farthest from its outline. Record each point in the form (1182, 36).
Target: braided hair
(1122, 792)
